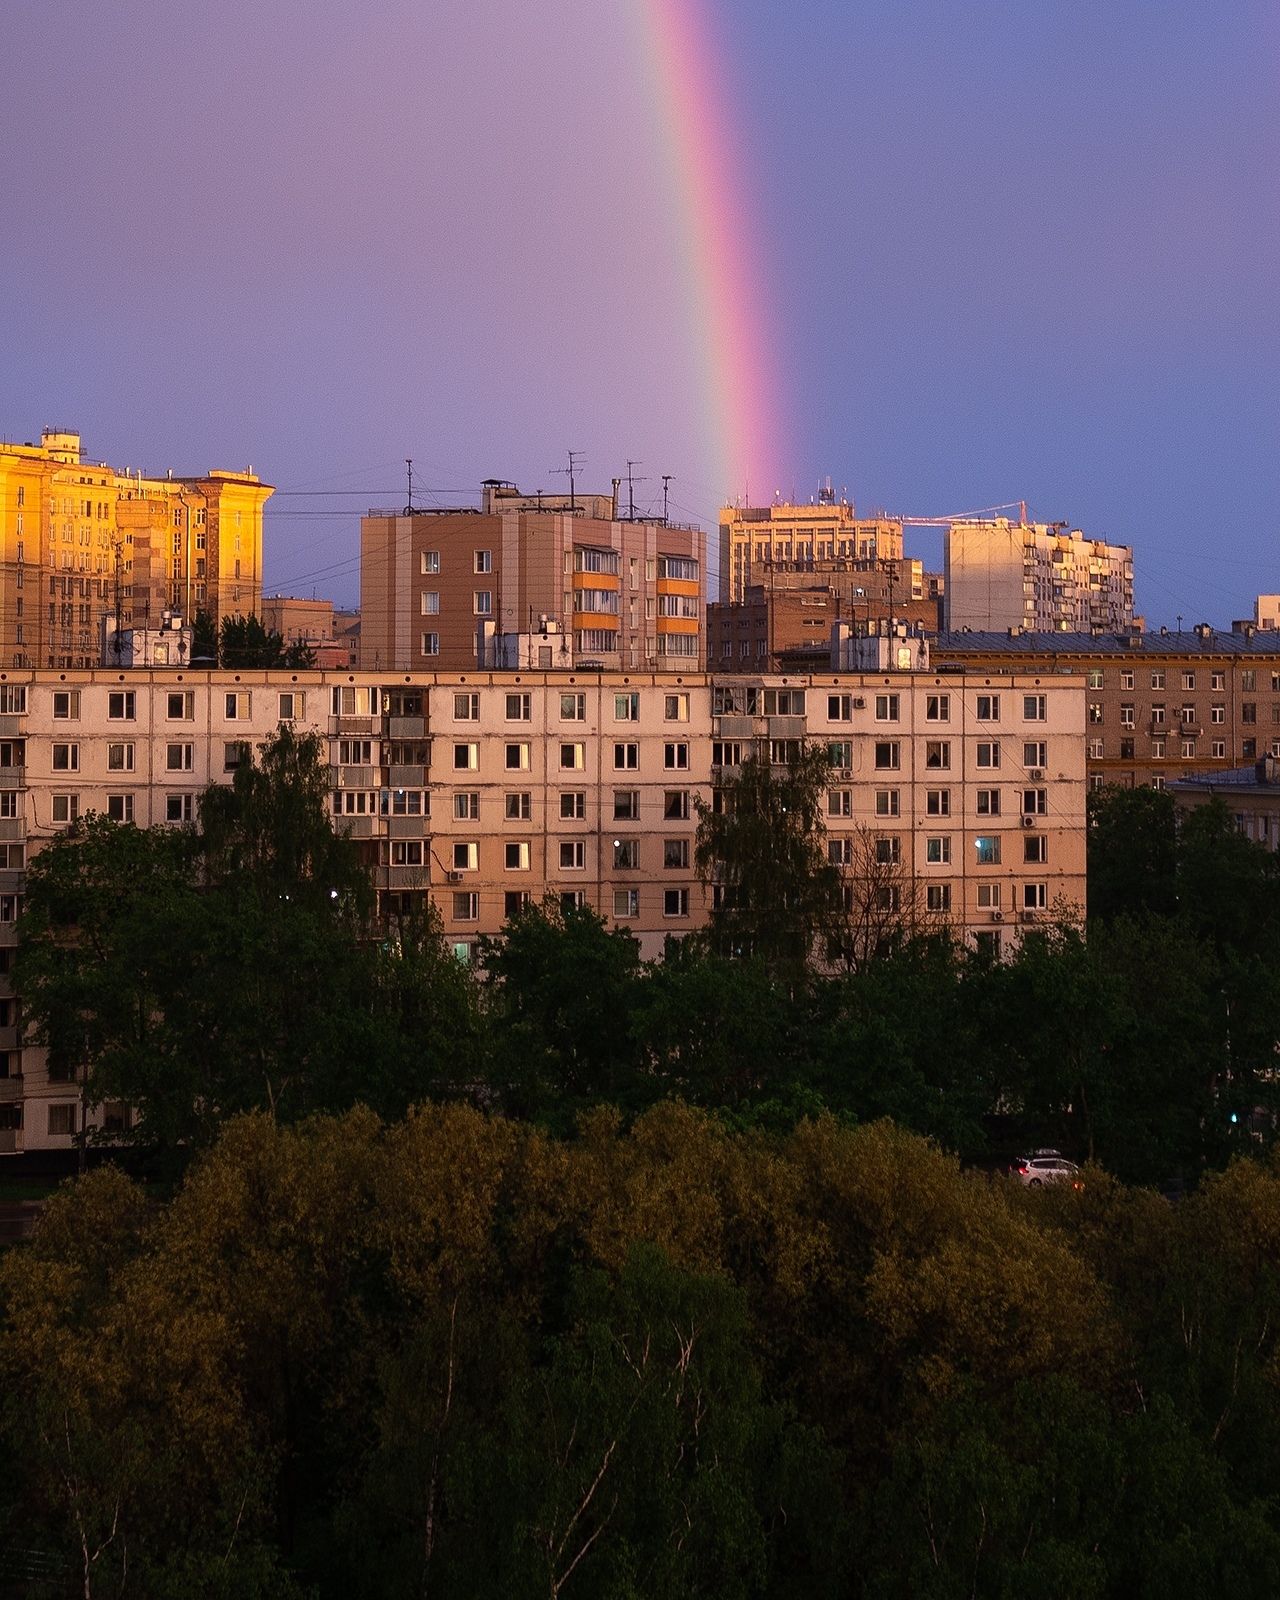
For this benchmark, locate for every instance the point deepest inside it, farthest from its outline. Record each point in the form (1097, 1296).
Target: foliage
(245, 642)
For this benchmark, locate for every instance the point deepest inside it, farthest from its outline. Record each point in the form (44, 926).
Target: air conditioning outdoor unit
(1028, 821)
(1037, 775)
(997, 916)
(455, 877)
(859, 704)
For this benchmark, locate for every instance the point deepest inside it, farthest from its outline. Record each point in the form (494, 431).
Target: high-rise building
(436, 585)
(1035, 576)
(81, 541)
(828, 535)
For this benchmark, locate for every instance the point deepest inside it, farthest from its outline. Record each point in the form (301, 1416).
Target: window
(66, 758)
(1157, 715)
(466, 708)
(430, 562)
(1157, 678)
(291, 705)
(1188, 749)
(466, 806)
(988, 896)
(1219, 748)
(1157, 749)
(937, 708)
(1035, 847)
(840, 852)
(1095, 712)
(888, 851)
(626, 708)
(177, 808)
(573, 707)
(1127, 747)
(988, 708)
(1248, 749)
(484, 560)
(937, 754)
(466, 908)
(1095, 677)
(355, 752)
(840, 754)
(517, 757)
(675, 902)
(120, 807)
(626, 902)
(237, 707)
(1033, 707)
(675, 805)
(430, 602)
(66, 705)
(839, 708)
(66, 807)
(1248, 679)
(430, 644)
(1217, 714)
(62, 1119)
(937, 802)
(675, 853)
(518, 807)
(573, 757)
(626, 805)
(887, 708)
(1034, 754)
(988, 802)
(938, 850)
(675, 757)
(1126, 716)
(518, 708)
(120, 705)
(784, 702)
(466, 857)
(678, 567)
(8, 802)
(1249, 711)
(938, 897)
(626, 854)
(483, 603)
(988, 850)
(1035, 802)
(406, 852)
(180, 705)
(573, 804)
(839, 802)
(1187, 714)
(466, 758)
(888, 802)
(236, 754)
(988, 755)
(626, 757)
(573, 855)
(888, 756)
(1035, 896)
(119, 758)
(676, 708)
(515, 855)
(1218, 680)
(1188, 680)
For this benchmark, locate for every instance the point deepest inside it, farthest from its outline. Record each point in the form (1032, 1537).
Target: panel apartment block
(1003, 574)
(81, 541)
(623, 593)
(487, 790)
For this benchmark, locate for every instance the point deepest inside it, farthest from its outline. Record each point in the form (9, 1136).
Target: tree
(1133, 853)
(245, 642)
(761, 848)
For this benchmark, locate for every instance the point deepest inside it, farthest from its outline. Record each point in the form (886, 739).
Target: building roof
(1204, 641)
(1263, 776)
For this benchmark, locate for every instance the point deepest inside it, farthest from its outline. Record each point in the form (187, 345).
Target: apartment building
(1158, 706)
(313, 623)
(789, 629)
(756, 541)
(81, 541)
(488, 790)
(1001, 574)
(435, 586)
(1252, 794)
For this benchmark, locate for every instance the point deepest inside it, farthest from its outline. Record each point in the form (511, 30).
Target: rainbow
(736, 371)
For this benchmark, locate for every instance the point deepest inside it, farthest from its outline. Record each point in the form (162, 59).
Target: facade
(758, 540)
(775, 630)
(1158, 706)
(1266, 612)
(434, 585)
(485, 790)
(1251, 793)
(1003, 574)
(80, 540)
(313, 623)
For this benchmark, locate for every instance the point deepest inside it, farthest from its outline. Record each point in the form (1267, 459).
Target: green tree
(1133, 853)
(245, 642)
(761, 848)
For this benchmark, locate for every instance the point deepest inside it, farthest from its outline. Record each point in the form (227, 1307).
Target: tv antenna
(631, 490)
(408, 510)
(666, 479)
(576, 460)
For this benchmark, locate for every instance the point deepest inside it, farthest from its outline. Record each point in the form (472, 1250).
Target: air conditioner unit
(1037, 775)
(455, 877)
(997, 916)
(1028, 916)
(859, 704)
(1028, 821)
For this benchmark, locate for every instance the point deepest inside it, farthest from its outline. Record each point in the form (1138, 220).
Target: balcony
(407, 777)
(402, 727)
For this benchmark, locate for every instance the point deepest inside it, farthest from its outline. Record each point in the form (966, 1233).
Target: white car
(1046, 1166)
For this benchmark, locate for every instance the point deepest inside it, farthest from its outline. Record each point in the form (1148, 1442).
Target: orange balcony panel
(678, 586)
(597, 580)
(677, 624)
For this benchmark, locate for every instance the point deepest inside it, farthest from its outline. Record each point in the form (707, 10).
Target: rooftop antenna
(576, 460)
(408, 510)
(631, 490)
(666, 480)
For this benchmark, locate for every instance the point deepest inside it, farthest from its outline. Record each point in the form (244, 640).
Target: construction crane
(1020, 506)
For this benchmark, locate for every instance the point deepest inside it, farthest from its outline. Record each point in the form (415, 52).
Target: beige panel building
(80, 540)
(485, 790)
(624, 593)
(1035, 576)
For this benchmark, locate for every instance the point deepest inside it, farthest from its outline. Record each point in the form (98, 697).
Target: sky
(1001, 252)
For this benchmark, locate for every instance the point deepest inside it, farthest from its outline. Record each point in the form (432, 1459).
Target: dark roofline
(1218, 641)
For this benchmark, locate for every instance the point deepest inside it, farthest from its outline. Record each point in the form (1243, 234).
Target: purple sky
(1015, 251)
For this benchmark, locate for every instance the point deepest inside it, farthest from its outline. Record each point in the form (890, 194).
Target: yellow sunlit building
(81, 541)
